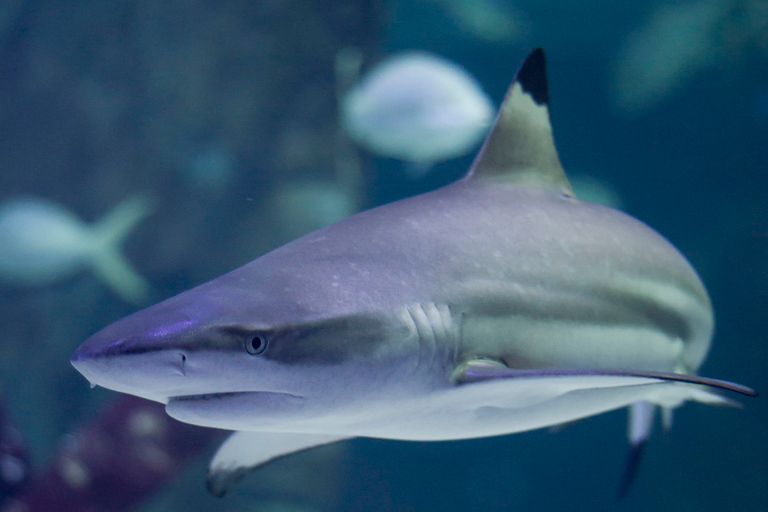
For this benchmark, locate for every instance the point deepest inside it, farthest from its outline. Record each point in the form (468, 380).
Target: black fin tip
(630, 471)
(532, 77)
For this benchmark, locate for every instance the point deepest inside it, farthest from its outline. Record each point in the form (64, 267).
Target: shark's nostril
(183, 364)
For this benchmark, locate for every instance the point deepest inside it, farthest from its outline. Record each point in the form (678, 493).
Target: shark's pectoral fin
(642, 390)
(244, 452)
(478, 370)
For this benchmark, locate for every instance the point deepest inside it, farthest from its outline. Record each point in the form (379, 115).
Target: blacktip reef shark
(497, 304)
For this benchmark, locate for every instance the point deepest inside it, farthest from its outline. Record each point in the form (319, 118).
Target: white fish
(302, 207)
(417, 107)
(42, 242)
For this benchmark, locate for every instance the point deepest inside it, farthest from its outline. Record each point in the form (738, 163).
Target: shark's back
(498, 251)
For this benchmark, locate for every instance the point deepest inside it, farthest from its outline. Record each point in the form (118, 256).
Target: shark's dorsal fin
(520, 147)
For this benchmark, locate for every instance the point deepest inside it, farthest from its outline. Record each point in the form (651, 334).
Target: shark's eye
(256, 344)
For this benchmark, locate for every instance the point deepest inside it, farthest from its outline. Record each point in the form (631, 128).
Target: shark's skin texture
(497, 304)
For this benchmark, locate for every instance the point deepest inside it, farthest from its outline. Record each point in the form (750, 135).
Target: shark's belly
(493, 409)
(497, 407)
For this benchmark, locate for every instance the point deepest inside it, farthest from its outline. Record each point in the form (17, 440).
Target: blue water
(102, 100)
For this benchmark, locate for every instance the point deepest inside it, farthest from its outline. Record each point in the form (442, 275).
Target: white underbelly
(484, 409)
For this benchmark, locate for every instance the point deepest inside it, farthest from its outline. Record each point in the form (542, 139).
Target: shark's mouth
(235, 410)
(206, 396)
(228, 395)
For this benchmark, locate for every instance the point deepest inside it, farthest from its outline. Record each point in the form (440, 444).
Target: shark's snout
(143, 354)
(97, 361)
(99, 347)
(121, 366)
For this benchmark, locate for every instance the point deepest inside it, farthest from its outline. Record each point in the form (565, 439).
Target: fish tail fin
(667, 417)
(109, 233)
(642, 416)
(115, 226)
(120, 275)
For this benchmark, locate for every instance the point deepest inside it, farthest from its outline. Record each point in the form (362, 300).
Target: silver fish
(42, 242)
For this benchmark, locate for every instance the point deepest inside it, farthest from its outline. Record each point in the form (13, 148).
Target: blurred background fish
(417, 107)
(42, 242)
(680, 41)
(301, 207)
(496, 21)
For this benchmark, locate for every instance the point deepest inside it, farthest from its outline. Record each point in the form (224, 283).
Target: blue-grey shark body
(497, 304)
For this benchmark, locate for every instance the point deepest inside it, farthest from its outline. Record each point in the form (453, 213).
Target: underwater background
(224, 116)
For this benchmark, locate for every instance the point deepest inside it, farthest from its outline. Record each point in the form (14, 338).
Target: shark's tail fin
(642, 416)
(109, 234)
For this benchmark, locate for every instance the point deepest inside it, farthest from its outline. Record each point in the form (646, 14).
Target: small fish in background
(209, 171)
(417, 107)
(305, 206)
(679, 41)
(593, 190)
(496, 21)
(42, 242)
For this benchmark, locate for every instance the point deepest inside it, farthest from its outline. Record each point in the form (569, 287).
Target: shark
(497, 304)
